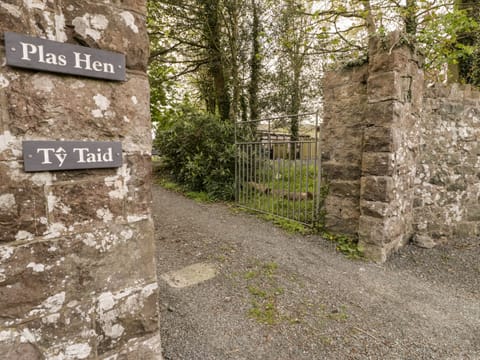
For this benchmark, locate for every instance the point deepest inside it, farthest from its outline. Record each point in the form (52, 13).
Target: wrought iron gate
(276, 173)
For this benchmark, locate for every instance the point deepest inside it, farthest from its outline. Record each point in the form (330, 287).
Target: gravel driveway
(279, 296)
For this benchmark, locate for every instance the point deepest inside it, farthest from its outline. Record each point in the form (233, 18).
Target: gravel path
(281, 297)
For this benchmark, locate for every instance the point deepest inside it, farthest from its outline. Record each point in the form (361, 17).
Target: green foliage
(161, 89)
(266, 58)
(159, 72)
(170, 185)
(199, 196)
(289, 226)
(441, 29)
(296, 179)
(346, 245)
(264, 312)
(469, 66)
(197, 150)
(264, 292)
(440, 38)
(189, 38)
(257, 292)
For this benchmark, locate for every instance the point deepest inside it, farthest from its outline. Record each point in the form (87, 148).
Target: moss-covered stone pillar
(77, 270)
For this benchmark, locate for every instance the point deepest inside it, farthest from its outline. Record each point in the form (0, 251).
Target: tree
(294, 45)
(161, 86)
(438, 28)
(216, 60)
(296, 68)
(469, 64)
(255, 63)
(192, 45)
(248, 59)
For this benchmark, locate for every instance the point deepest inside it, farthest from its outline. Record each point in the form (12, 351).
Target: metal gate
(277, 174)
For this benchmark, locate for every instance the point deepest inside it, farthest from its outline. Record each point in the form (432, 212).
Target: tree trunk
(255, 64)
(369, 19)
(233, 13)
(216, 65)
(411, 17)
(295, 103)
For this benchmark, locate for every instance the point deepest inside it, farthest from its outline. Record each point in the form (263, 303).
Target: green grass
(167, 183)
(264, 312)
(263, 290)
(339, 315)
(290, 176)
(264, 284)
(199, 196)
(301, 211)
(257, 292)
(290, 226)
(284, 188)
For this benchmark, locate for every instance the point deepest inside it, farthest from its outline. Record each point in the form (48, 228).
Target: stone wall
(343, 125)
(401, 159)
(77, 271)
(395, 88)
(448, 172)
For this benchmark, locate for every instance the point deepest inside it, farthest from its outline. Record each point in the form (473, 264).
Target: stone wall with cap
(400, 156)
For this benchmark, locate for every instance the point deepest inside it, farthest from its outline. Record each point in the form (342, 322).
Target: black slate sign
(71, 155)
(53, 56)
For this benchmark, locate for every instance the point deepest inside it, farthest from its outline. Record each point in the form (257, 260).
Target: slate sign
(53, 56)
(70, 155)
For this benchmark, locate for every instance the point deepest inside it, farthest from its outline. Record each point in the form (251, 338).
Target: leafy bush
(198, 151)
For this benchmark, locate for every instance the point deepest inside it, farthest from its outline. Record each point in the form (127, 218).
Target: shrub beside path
(233, 286)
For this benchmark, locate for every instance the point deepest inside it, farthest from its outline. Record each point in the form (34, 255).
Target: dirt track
(282, 297)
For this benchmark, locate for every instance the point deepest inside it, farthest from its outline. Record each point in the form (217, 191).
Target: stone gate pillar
(345, 100)
(370, 143)
(77, 270)
(390, 146)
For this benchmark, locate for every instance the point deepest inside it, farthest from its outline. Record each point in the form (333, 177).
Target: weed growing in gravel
(257, 292)
(250, 275)
(270, 268)
(264, 312)
(264, 283)
(264, 291)
(346, 245)
(339, 315)
(289, 226)
(445, 258)
(326, 340)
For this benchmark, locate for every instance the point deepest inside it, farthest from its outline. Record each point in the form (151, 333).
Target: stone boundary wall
(77, 270)
(401, 158)
(447, 190)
